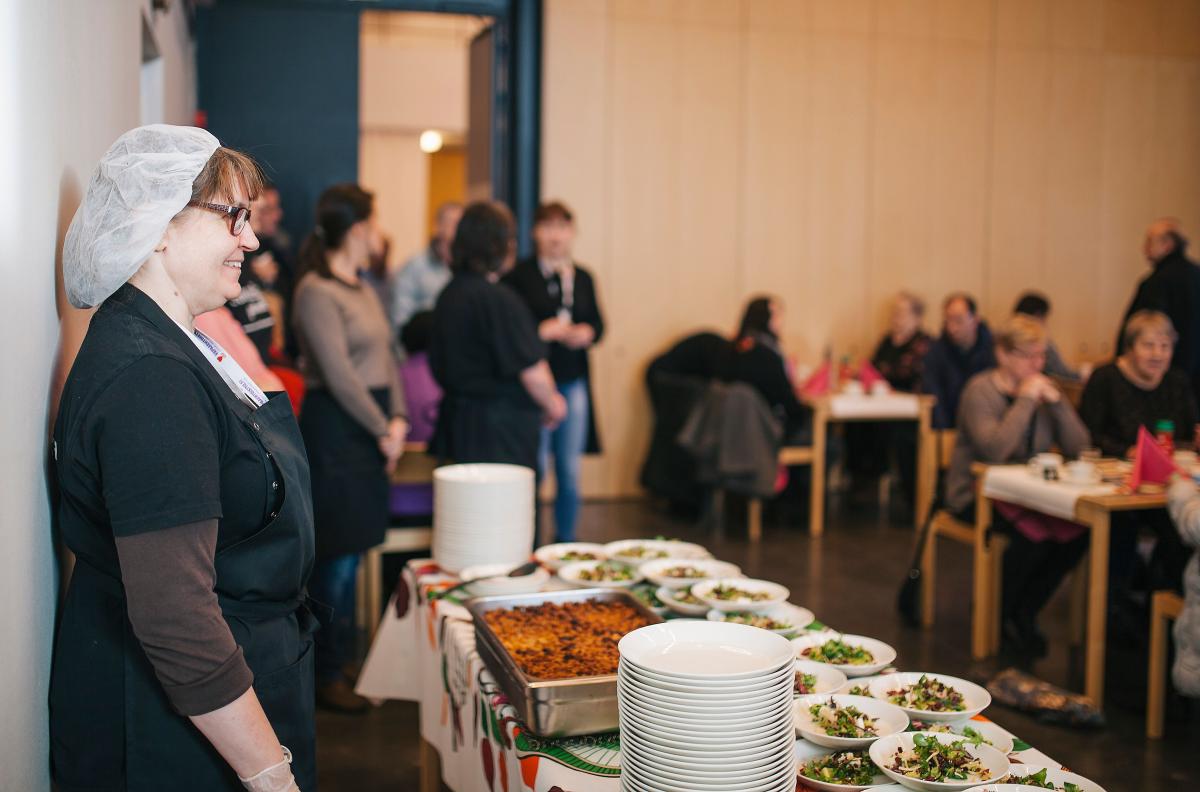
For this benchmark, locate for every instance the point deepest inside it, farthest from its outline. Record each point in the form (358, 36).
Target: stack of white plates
(706, 707)
(482, 514)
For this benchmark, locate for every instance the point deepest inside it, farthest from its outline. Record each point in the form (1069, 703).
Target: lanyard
(566, 276)
(234, 375)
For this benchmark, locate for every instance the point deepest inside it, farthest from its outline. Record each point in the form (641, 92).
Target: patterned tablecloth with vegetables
(424, 651)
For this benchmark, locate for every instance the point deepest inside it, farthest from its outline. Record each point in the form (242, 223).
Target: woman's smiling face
(204, 257)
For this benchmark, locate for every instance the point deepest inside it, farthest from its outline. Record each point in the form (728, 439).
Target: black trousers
(1033, 572)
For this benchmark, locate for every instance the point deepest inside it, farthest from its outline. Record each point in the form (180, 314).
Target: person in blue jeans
(561, 294)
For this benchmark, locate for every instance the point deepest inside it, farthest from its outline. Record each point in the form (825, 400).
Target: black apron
(260, 582)
(478, 429)
(349, 481)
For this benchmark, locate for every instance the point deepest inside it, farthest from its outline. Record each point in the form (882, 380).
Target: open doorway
(414, 122)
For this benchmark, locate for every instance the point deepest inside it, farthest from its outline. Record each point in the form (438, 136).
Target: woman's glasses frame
(238, 215)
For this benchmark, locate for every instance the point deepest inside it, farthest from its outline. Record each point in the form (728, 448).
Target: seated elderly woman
(1140, 389)
(1007, 415)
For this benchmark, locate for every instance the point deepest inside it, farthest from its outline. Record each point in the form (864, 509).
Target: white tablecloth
(864, 406)
(1014, 484)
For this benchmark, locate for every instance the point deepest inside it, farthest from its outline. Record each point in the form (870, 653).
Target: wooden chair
(788, 456)
(1165, 606)
(415, 467)
(988, 552)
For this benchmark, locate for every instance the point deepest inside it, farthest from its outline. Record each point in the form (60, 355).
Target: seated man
(964, 349)
(1037, 307)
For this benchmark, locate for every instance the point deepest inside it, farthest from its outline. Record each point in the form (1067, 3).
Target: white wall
(412, 77)
(69, 74)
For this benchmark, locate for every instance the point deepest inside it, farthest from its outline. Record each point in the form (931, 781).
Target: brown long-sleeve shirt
(175, 615)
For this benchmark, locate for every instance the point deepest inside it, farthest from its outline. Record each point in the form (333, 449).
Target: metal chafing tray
(557, 707)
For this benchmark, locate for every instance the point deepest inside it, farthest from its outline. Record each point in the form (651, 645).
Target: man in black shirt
(964, 349)
(1173, 287)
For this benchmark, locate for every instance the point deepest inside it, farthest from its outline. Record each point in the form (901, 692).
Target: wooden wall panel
(835, 151)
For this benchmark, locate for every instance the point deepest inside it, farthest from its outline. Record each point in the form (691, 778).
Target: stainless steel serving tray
(552, 707)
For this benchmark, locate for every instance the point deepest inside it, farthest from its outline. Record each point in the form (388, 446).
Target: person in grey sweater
(353, 418)
(1183, 502)
(1007, 415)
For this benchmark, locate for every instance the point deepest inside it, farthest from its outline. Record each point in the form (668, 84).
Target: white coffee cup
(1046, 466)
(881, 388)
(1081, 472)
(853, 387)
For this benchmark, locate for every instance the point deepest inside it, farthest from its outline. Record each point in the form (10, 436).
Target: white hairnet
(142, 181)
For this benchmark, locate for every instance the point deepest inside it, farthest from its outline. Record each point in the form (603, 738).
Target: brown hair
(553, 210)
(1020, 331)
(484, 239)
(1146, 321)
(338, 209)
(224, 172)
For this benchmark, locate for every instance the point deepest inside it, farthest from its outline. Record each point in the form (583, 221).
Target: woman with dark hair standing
(486, 354)
(756, 359)
(353, 421)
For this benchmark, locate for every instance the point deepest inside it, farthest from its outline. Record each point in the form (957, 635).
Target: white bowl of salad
(648, 596)
(600, 574)
(817, 678)
(740, 594)
(853, 655)
(973, 731)
(846, 722)
(786, 619)
(677, 573)
(556, 556)
(936, 762)
(638, 551)
(933, 698)
(682, 601)
(841, 771)
(1042, 777)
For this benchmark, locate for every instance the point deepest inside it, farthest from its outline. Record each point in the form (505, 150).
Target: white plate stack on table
(482, 514)
(706, 707)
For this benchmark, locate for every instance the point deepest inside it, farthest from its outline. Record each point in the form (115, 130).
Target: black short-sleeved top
(146, 439)
(483, 338)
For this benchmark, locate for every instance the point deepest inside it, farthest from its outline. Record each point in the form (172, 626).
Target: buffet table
(424, 651)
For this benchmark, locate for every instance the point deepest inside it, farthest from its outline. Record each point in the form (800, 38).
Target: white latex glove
(276, 778)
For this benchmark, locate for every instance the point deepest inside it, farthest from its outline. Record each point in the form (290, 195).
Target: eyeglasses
(238, 215)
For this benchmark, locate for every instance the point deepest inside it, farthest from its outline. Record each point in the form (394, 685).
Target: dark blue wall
(281, 83)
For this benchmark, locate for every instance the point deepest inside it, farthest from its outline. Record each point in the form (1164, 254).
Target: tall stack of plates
(482, 514)
(706, 707)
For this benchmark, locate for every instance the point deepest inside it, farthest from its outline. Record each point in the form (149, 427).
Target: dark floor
(849, 579)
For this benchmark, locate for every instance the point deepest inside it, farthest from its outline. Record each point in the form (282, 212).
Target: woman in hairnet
(183, 660)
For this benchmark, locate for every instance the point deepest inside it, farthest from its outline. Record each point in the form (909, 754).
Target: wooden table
(825, 413)
(1095, 512)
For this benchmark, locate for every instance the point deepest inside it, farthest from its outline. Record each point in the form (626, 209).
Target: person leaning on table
(183, 658)
(1139, 389)
(1008, 414)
